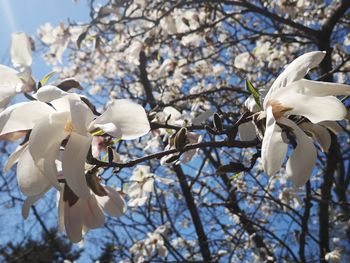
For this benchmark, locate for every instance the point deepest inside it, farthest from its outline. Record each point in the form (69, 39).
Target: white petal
(63, 104)
(134, 190)
(22, 116)
(319, 88)
(73, 164)
(302, 161)
(82, 116)
(319, 133)
(148, 186)
(14, 157)
(73, 221)
(247, 131)
(296, 71)
(124, 119)
(138, 201)
(13, 136)
(251, 105)
(164, 180)
(202, 117)
(332, 126)
(49, 93)
(113, 204)
(30, 179)
(45, 141)
(274, 149)
(29, 202)
(21, 52)
(92, 214)
(10, 84)
(4, 102)
(316, 109)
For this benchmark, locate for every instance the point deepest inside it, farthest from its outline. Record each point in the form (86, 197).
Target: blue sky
(28, 15)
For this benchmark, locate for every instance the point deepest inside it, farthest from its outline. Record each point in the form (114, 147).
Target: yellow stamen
(69, 127)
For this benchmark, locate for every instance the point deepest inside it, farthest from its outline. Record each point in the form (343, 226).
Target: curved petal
(82, 116)
(30, 179)
(73, 163)
(148, 186)
(319, 88)
(138, 201)
(134, 190)
(247, 131)
(124, 119)
(113, 204)
(49, 93)
(14, 157)
(62, 104)
(92, 214)
(332, 126)
(23, 116)
(10, 84)
(251, 105)
(21, 52)
(296, 71)
(45, 141)
(73, 221)
(319, 133)
(316, 109)
(274, 149)
(303, 159)
(31, 201)
(4, 102)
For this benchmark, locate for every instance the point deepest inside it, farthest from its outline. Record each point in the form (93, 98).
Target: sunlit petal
(124, 119)
(316, 109)
(319, 88)
(274, 149)
(148, 186)
(30, 179)
(73, 163)
(21, 52)
(45, 141)
(10, 84)
(49, 93)
(82, 116)
(138, 201)
(296, 70)
(22, 116)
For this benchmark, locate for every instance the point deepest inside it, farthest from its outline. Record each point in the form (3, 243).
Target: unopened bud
(181, 139)
(232, 167)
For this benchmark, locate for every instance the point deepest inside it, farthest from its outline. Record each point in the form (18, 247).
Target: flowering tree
(206, 130)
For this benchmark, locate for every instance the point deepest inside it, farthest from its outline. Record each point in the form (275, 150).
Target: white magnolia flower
(143, 185)
(11, 80)
(334, 256)
(69, 120)
(291, 94)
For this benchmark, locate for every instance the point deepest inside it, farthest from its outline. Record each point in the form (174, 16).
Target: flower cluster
(58, 127)
(296, 111)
